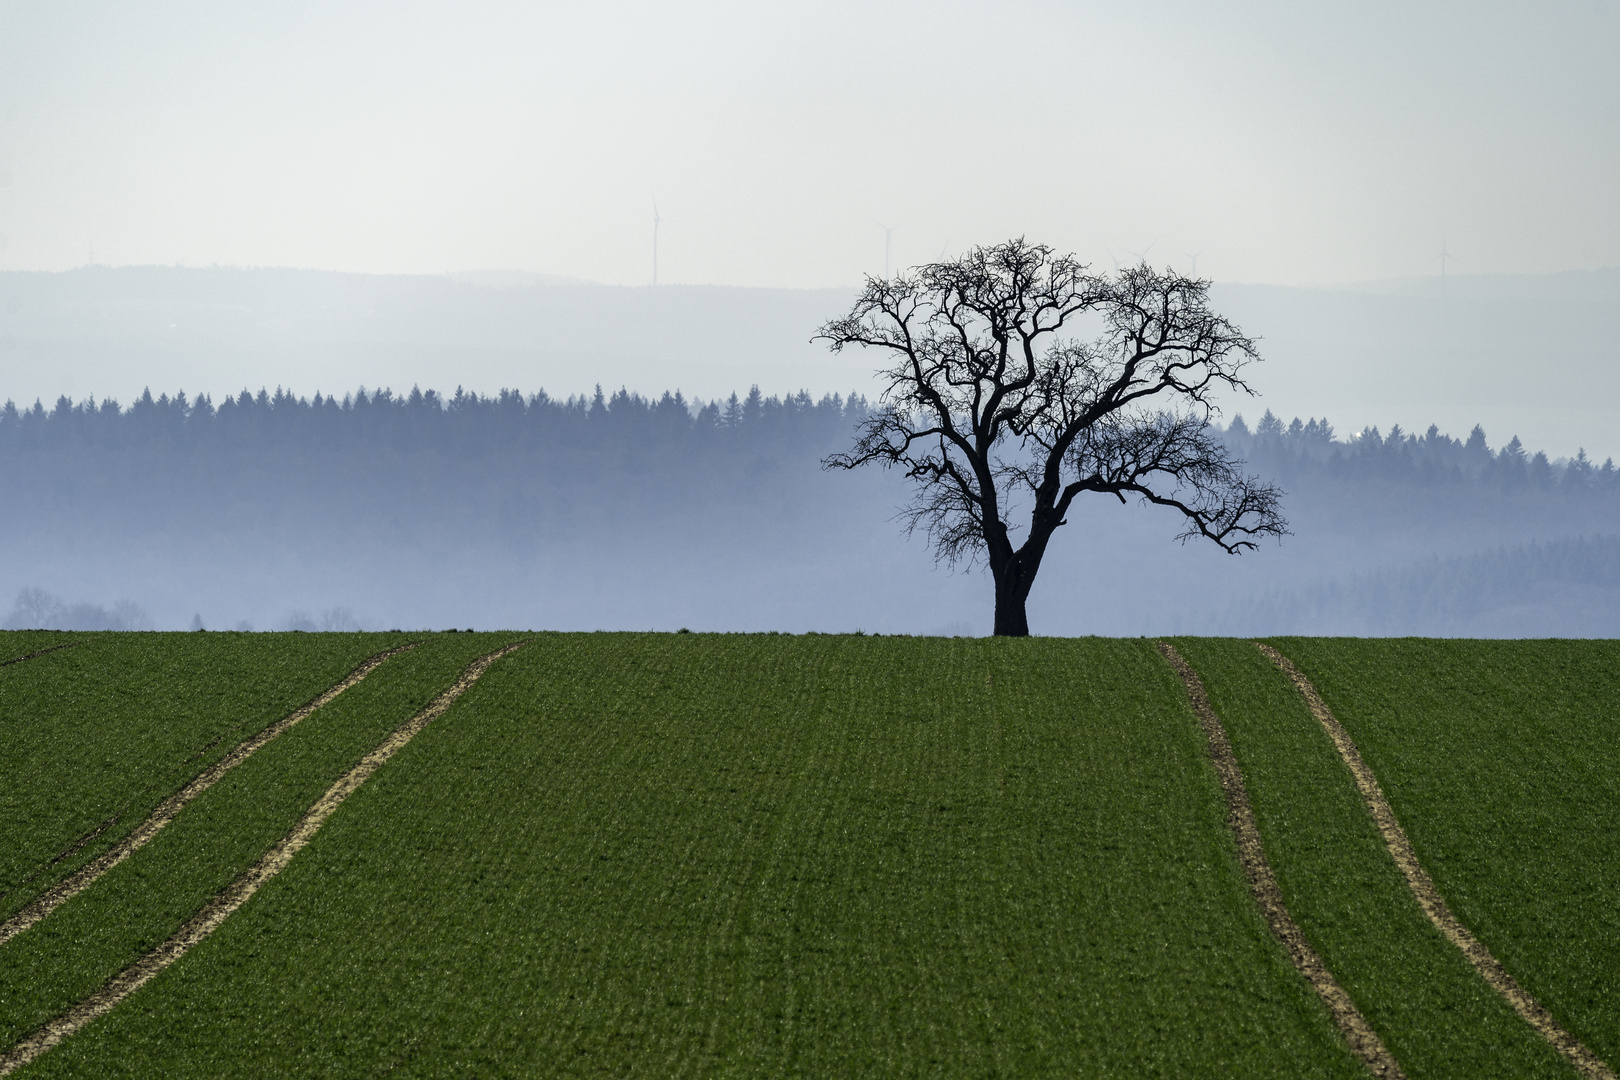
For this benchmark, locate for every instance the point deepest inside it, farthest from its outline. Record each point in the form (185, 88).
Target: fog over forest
(620, 510)
(238, 491)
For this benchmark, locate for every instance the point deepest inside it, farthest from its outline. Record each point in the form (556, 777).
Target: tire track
(66, 853)
(1428, 896)
(238, 892)
(70, 887)
(41, 652)
(1363, 1040)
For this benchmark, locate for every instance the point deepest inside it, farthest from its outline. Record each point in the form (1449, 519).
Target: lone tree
(992, 401)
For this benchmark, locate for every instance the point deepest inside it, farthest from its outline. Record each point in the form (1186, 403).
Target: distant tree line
(466, 423)
(36, 609)
(490, 479)
(400, 468)
(611, 428)
(1306, 450)
(409, 464)
(273, 482)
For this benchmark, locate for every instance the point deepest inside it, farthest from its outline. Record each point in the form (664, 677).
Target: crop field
(695, 855)
(19, 645)
(1503, 761)
(1437, 1017)
(114, 722)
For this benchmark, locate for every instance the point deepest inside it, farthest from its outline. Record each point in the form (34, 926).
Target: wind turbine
(1194, 258)
(888, 235)
(1443, 258)
(1141, 256)
(656, 220)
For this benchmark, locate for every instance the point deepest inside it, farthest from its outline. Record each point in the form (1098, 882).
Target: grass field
(642, 854)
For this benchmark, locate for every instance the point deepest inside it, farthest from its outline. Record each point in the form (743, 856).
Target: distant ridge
(1528, 355)
(517, 279)
(1602, 282)
(113, 331)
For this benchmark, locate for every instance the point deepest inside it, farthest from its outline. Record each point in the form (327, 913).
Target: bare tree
(992, 401)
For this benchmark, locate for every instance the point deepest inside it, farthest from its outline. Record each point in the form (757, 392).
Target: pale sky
(1284, 142)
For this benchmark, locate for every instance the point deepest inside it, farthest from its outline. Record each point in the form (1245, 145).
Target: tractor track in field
(1428, 895)
(66, 853)
(41, 652)
(213, 914)
(82, 879)
(1358, 1033)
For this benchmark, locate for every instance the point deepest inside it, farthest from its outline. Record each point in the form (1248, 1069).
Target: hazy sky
(1287, 143)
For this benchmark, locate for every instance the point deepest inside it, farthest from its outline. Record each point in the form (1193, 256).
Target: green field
(93, 736)
(18, 644)
(1437, 1017)
(1503, 761)
(645, 854)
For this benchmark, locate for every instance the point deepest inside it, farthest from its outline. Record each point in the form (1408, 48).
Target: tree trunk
(1012, 591)
(1017, 577)
(1010, 618)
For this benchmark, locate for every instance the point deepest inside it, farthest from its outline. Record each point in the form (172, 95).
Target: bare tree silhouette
(991, 399)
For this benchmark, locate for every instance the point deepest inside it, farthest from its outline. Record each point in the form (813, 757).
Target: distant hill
(1526, 355)
(113, 332)
(515, 279)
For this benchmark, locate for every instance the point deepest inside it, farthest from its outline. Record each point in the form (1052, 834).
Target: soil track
(65, 890)
(1423, 887)
(239, 891)
(1364, 1041)
(41, 652)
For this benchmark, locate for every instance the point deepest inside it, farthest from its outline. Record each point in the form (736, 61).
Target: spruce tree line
(400, 468)
(465, 423)
(1306, 450)
(630, 424)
